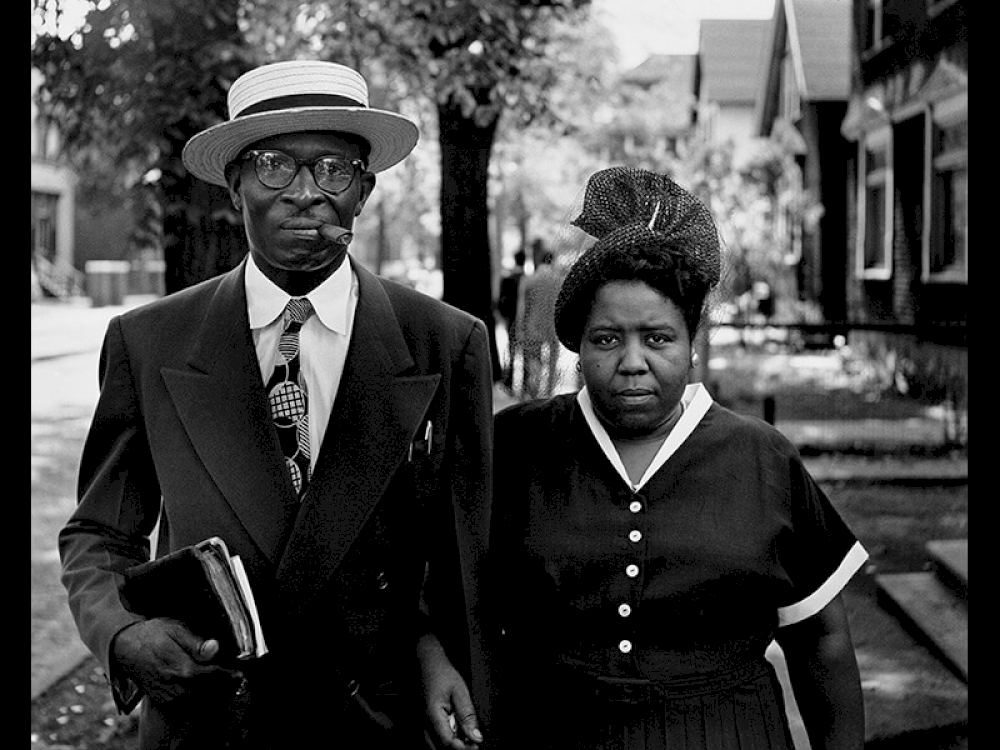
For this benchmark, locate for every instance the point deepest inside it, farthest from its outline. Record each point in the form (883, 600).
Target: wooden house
(802, 100)
(908, 240)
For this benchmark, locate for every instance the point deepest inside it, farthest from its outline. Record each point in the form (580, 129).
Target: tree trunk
(202, 235)
(465, 239)
(382, 239)
(199, 239)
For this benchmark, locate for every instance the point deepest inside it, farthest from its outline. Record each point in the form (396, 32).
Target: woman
(650, 543)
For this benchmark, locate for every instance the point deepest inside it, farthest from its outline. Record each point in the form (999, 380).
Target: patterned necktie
(286, 393)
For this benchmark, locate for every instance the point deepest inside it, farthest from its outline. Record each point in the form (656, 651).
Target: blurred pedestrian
(765, 300)
(537, 339)
(507, 299)
(353, 482)
(644, 566)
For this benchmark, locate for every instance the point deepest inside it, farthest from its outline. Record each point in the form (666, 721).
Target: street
(63, 394)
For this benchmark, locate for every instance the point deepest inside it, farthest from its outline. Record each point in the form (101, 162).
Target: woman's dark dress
(639, 618)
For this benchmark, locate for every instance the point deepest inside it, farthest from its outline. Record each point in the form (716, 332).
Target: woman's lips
(635, 395)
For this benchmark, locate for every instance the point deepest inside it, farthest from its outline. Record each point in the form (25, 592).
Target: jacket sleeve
(453, 589)
(118, 507)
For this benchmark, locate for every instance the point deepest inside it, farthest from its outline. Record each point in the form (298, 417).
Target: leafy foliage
(144, 75)
(127, 92)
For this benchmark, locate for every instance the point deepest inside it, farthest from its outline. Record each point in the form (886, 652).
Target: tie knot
(297, 310)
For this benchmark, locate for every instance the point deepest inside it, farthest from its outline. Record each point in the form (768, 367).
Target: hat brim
(391, 136)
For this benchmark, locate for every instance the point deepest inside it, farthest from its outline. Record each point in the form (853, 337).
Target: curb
(939, 472)
(69, 658)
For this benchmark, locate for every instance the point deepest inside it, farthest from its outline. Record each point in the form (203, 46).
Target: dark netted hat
(642, 217)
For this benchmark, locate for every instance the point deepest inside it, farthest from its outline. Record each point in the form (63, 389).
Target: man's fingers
(207, 650)
(466, 719)
(442, 727)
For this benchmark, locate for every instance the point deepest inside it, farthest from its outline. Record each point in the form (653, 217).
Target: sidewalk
(61, 328)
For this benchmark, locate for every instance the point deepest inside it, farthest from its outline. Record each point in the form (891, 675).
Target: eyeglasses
(276, 170)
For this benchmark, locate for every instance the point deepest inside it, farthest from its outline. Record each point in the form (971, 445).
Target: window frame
(941, 115)
(934, 7)
(875, 30)
(45, 224)
(879, 139)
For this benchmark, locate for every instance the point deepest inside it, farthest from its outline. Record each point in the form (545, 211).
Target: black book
(204, 587)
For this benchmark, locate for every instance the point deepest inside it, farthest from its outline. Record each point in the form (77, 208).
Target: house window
(43, 225)
(946, 227)
(791, 105)
(873, 24)
(936, 6)
(874, 251)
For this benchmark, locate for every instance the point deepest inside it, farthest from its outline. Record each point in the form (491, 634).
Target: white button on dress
(635, 506)
(635, 535)
(624, 610)
(625, 646)
(632, 571)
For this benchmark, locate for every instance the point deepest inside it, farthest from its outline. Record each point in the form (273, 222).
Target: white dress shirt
(323, 339)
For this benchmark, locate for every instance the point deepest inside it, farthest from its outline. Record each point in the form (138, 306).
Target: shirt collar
(266, 300)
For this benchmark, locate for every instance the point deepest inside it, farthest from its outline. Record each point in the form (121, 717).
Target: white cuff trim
(822, 596)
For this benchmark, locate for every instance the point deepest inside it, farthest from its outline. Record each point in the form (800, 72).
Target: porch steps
(932, 605)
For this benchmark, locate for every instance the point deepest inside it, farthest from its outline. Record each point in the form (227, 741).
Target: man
(507, 308)
(535, 327)
(361, 520)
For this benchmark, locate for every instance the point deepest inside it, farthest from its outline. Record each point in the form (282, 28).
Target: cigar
(336, 234)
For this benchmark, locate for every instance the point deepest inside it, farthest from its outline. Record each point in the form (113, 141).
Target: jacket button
(625, 646)
(624, 610)
(635, 506)
(635, 535)
(383, 584)
(631, 570)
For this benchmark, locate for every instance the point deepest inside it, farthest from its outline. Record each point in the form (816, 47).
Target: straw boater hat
(292, 97)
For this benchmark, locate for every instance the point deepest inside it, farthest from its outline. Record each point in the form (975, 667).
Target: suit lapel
(375, 417)
(221, 402)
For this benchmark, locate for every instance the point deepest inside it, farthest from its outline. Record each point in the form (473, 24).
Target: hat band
(299, 100)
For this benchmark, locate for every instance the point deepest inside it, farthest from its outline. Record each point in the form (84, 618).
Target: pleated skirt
(587, 712)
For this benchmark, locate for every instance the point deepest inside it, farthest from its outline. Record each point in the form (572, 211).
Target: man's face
(283, 224)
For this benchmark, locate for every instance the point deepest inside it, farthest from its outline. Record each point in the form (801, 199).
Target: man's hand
(165, 659)
(446, 700)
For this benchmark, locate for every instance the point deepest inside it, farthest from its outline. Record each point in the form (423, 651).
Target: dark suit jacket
(182, 436)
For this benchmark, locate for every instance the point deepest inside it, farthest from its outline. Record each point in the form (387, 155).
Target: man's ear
(367, 187)
(233, 176)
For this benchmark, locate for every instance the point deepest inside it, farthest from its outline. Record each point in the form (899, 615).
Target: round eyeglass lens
(274, 169)
(333, 174)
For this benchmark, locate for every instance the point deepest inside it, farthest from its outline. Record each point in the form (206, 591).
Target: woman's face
(634, 357)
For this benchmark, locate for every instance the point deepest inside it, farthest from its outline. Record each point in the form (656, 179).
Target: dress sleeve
(820, 553)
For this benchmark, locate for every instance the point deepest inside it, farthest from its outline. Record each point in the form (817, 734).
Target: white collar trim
(696, 400)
